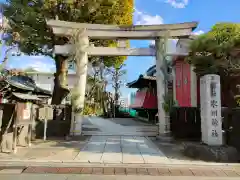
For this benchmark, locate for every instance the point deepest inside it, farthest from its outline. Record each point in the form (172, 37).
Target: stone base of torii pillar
(167, 137)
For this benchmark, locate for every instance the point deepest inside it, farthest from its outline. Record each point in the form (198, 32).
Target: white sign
(27, 111)
(211, 122)
(26, 114)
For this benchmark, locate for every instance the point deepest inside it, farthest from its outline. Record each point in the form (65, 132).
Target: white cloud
(197, 33)
(142, 18)
(39, 63)
(152, 43)
(178, 3)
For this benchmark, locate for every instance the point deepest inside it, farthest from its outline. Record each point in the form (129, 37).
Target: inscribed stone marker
(211, 122)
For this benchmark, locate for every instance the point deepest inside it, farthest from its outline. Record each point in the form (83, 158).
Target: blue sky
(206, 12)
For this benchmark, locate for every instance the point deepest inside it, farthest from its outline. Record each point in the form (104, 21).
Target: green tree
(217, 52)
(117, 80)
(117, 74)
(28, 26)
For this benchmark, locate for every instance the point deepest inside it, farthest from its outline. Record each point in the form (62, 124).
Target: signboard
(23, 115)
(45, 113)
(211, 122)
(27, 111)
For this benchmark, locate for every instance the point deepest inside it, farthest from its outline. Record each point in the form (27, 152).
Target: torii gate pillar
(161, 85)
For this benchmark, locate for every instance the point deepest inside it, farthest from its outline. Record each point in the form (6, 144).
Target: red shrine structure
(186, 89)
(183, 84)
(145, 101)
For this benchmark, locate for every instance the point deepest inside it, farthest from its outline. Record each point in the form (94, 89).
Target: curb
(123, 171)
(12, 170)
(58, 163)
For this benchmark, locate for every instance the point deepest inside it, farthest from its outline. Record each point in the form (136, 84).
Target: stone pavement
(120, 149)
(129, 122)
(114, 149)
(115, 126)
(97, 149)
(46, 151)
(103, 125)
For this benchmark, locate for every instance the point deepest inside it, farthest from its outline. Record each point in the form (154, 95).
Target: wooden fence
(59, 125)
(185, 123)
(18, 125)
(15, 127)
(231, 126)
(6, 112)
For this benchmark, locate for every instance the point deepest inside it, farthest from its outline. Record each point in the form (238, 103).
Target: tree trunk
(116, 89)
(115, 102)
(103, 98)
(60, 90)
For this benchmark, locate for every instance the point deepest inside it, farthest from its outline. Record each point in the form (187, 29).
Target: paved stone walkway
(120, 149)
(117, 127)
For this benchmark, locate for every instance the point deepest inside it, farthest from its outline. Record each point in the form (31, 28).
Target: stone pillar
(161, 89)
(211, 122)
(81, 58)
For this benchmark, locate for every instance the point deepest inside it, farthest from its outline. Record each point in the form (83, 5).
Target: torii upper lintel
(102, 31)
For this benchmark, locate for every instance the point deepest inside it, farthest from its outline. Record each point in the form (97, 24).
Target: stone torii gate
(159, 33)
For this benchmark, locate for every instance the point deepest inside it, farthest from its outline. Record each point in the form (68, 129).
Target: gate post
(161, 85)
(81, 58)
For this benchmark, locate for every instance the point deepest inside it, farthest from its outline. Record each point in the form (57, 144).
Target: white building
(45, 80)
